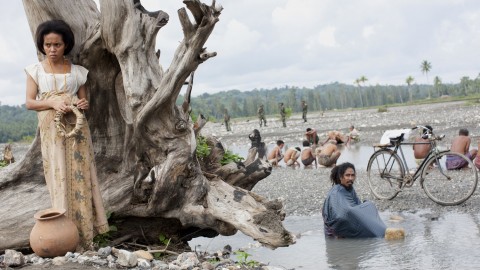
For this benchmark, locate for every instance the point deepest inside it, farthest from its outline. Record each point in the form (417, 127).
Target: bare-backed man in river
(460, 144)
(328, 154)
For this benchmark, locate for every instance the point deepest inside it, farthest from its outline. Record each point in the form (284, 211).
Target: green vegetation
(163, 239)
(3, 164)
(103, 240)
(383, 109)
(203, 150)
(229, 156)
(17, 124)
(332, 96)
(243, 260)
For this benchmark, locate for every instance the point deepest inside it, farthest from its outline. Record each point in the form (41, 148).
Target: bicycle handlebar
(429, 135)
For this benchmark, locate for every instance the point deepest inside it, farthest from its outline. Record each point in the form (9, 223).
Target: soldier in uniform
(283, 114)
(304, 110)
(261, 115)
(226, 119)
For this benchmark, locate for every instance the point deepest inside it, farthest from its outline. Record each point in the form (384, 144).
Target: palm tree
(409, 80)
(436, 83)
(425, 67)
(363, 79)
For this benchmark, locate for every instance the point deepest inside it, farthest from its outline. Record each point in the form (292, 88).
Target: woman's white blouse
(45, 81)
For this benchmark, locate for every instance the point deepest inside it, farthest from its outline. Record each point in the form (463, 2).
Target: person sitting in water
(312, 137)
(291, 156)
(344, 215)
(460, 144)
(328, 154)
(307, 155)
(353, 135)
(422, 146)
(276, 154)
(336, 136)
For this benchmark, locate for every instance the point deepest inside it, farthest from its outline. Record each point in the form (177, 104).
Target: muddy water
(451, 241)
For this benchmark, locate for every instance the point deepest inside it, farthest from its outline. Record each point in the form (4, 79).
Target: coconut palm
(425, 67)
(409, 80)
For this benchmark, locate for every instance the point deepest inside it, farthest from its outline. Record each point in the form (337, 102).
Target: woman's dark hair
(58, 27)
(338, 171)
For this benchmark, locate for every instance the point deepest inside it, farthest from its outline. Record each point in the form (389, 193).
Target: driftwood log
(144, 143)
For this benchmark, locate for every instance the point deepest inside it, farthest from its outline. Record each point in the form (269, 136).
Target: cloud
(298, 42)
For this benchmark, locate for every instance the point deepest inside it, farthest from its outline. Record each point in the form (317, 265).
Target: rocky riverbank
(302, 191)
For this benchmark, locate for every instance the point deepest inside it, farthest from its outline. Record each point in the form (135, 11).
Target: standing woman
(56, 90)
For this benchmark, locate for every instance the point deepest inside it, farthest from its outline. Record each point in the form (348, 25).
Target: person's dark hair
(338, 171)
(306, 143)
(280, 142)
(298, 149)
(463, 131)
(309, 129)
(58, 27)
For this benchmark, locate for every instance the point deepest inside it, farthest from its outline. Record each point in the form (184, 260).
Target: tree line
(17, 123)
(327, 96)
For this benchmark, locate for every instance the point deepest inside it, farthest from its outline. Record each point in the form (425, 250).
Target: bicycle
(388, 173)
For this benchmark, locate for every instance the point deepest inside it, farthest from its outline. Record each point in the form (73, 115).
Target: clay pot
(53, 233)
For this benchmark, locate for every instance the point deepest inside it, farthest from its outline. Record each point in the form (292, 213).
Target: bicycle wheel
(448, 187)
(385, 174)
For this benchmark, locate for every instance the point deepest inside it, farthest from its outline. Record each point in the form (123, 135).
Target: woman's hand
(82, 104)
(60, 106)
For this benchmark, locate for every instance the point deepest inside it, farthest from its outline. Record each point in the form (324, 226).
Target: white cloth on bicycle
(345, 216)
(393, 134)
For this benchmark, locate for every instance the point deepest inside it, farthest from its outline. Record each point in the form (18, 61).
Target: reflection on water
(355, 154)
(451, 241)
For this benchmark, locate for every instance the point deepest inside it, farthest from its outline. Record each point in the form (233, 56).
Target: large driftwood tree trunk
(144, 144)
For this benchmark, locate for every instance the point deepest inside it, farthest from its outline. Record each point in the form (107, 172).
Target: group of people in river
(313, 152)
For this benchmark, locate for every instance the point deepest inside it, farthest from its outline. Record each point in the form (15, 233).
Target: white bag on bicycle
(394, 133)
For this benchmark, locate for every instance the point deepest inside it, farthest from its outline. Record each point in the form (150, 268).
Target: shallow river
(451, 241)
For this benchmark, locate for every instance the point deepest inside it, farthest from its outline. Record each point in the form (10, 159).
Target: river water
(451, 241)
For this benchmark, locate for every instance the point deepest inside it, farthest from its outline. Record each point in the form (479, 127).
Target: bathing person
(276, 154)
(307, 156)
(328, 154)
(353, 135)
(56, 85)
(291, 156)
(460, 144)
(312, 137)
(344, 215)
(421, 150)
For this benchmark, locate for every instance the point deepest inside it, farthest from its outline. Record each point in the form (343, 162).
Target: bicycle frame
(397, 148)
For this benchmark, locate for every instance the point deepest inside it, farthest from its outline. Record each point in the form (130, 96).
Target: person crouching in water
(328, 154)
(344, 215)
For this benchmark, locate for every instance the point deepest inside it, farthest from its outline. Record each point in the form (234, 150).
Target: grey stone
(143, 264)
(59, 261)
(100, 262)
(13, 258)
(207, 266)
(104, 252)
(126, 258)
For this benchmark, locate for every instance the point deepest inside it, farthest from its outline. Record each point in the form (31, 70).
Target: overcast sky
(272, 43)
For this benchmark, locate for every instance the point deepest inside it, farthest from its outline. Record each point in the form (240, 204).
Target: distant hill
(17, 123)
